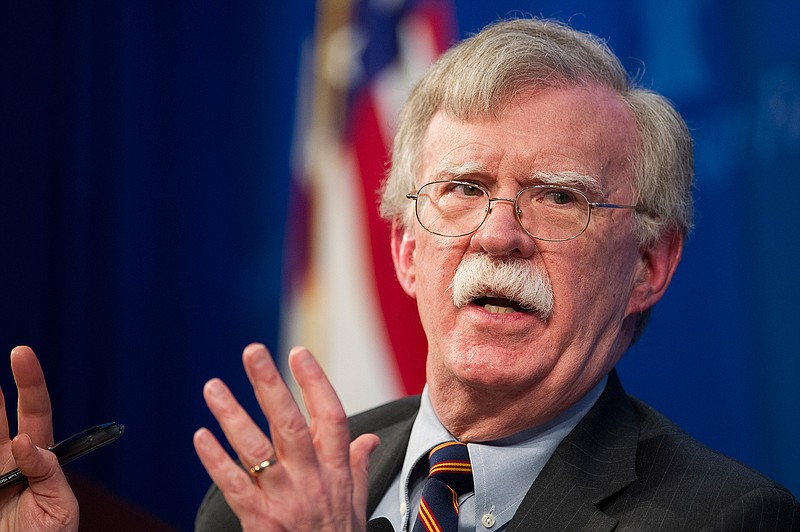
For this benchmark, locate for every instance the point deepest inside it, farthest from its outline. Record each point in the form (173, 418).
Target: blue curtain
(145, 165)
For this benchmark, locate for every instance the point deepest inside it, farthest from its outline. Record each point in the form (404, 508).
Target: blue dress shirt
(504, 470)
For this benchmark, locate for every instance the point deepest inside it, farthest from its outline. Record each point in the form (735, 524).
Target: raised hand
(309, 476)
(45, 502)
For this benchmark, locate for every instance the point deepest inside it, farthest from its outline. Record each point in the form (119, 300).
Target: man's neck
(479, 415)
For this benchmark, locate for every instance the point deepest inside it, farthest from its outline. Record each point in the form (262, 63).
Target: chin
(492, 367)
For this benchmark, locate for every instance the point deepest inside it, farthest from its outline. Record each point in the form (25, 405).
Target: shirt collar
(505, 469)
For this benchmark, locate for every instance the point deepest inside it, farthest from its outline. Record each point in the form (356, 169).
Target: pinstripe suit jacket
(624, 467)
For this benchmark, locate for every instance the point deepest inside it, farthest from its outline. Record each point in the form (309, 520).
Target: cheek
(435, 268)
(432, 285)
(576, 272)
(437, 259)
(597, 278)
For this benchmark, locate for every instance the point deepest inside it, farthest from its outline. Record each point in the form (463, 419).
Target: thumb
(45, 477)
(35, 463)
(360, 451)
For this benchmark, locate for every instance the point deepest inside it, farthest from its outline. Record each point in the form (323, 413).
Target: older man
(539, 203)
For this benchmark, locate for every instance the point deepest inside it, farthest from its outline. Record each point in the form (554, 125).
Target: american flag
(342, 299)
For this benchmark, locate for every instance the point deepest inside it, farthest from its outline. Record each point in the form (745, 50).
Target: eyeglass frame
(517, 211)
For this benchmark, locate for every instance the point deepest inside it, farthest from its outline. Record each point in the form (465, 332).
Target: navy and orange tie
(450, 475)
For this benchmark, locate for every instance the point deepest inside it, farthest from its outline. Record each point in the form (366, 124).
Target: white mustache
(511, 278)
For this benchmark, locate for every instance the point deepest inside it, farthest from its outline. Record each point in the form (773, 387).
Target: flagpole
(331, 66)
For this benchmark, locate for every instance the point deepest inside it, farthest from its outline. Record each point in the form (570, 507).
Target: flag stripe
(343, 299)
(370, 136)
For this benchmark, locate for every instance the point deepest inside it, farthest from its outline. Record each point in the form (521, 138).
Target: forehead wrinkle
(569, 178)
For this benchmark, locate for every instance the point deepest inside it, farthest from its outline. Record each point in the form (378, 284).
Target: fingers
(247, 439)
(330, 430)
(35, 415)
(230, 478)
(326, 440)
(288, 427)
(293, 441)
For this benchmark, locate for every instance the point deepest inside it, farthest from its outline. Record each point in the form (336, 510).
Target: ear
(403, 245)
(658, 264)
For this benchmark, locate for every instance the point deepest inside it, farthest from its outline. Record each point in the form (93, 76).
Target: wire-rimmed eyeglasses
(553, 213)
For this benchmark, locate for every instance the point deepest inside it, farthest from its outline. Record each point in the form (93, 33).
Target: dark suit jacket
(623, 467)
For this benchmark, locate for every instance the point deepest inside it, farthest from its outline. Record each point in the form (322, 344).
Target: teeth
(498, 310)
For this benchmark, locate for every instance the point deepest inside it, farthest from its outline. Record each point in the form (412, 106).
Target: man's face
(563, 132)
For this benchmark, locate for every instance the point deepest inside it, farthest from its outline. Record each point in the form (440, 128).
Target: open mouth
(499, 305)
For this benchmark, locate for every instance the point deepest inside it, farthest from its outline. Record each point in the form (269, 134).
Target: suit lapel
(392, 424)
(387, 460)
(595, 461)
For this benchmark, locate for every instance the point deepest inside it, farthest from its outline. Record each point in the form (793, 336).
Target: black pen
(73, 447)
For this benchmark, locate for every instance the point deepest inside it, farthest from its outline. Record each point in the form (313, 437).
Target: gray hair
(478, 76)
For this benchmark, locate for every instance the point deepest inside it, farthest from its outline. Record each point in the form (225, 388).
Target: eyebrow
(460, 170)
(569, 178)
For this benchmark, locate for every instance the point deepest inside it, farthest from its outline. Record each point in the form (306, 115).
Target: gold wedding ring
(263, 466)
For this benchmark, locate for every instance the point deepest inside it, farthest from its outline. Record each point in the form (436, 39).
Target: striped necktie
(450, 475)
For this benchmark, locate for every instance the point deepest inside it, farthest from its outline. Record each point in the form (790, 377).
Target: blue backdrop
(144, 173)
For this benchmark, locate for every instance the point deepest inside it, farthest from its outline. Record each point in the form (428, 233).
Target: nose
(501, 234)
